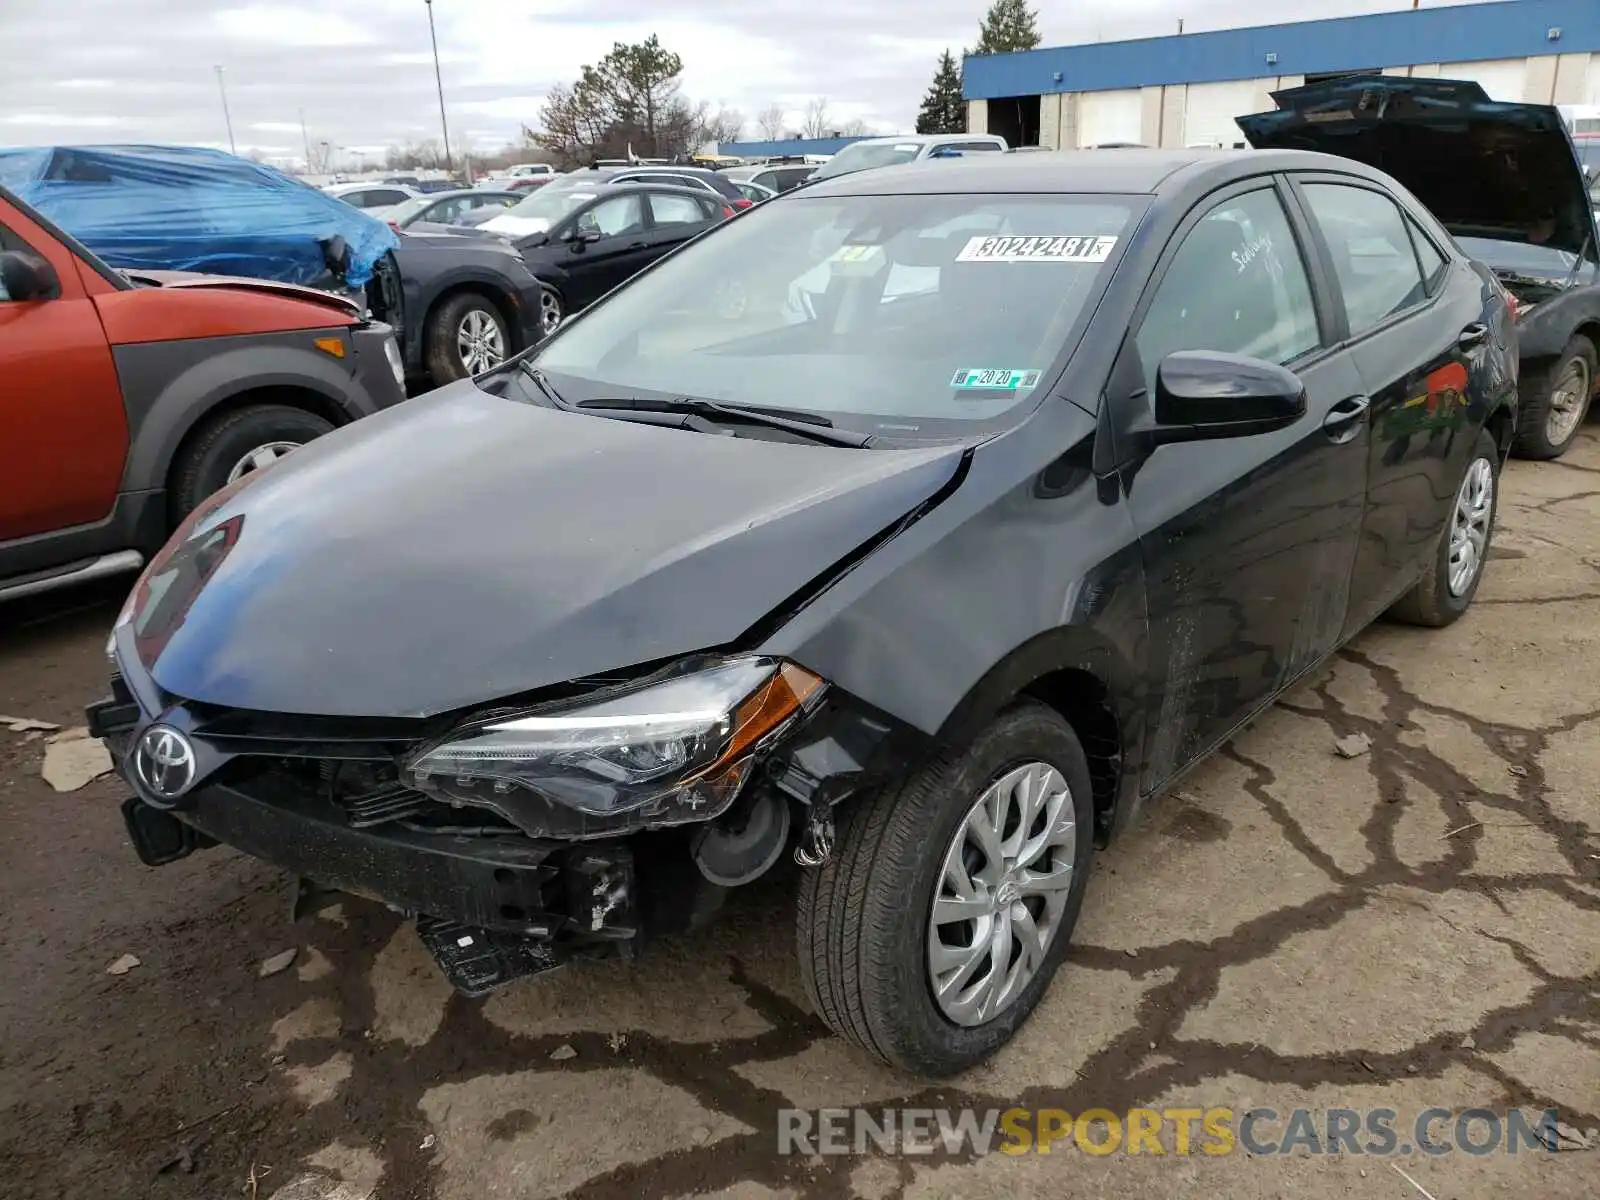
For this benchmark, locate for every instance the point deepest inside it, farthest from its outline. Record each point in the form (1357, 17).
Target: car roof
(1125, 172)
(454, 192)
(614, 189)
(369, 184)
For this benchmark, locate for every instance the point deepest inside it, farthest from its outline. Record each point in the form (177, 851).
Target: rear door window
(677, 210)
(1373, 257)
(1433, 263)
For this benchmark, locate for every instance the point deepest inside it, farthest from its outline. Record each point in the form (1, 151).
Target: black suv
(1506, 182)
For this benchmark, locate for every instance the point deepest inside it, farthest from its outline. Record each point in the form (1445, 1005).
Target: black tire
(442, 353)
(1431, 603)
(1537, 395)
(212, 452)
(863, 916)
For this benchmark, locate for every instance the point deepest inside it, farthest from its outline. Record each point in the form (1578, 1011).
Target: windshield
(548, 205)
(554, 199)
(1523, 258)
(863, 156)
(889, 313)
(406, 210)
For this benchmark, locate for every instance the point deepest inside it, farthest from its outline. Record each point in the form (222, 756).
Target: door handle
(639, 245)
(1343, 420)
(1473, 335)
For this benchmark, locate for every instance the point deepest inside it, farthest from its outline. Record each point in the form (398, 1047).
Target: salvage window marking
(1238, 285)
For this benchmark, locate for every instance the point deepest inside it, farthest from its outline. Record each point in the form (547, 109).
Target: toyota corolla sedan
(920, 528)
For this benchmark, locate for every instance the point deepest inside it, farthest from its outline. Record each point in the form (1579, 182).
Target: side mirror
(1203, 394)
(582, 237)
(27, 277)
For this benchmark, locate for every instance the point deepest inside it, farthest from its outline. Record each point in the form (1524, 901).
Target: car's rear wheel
(466, 336)
(1555, 399)
(236, 444)
(933, 930)
(1446, 590)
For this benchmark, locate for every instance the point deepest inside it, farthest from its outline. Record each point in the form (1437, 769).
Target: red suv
(125, 399)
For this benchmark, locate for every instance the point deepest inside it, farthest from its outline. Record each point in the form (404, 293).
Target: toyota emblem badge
(164, 762)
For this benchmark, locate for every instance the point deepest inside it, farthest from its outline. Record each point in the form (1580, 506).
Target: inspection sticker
(994, 379)
(1065, 249)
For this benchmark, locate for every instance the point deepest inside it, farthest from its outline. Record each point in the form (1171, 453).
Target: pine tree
(1008, 25)
(943, 108)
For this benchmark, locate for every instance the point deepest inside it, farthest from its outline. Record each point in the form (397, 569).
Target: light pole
(223, 88)
(438, 80)
(306, 138)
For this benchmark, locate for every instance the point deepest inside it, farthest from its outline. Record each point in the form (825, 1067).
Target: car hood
(462, 548)
(1483, 167)
(194, 279)
(516, 226)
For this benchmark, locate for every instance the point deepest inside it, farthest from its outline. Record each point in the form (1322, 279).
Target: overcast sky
(81, 71)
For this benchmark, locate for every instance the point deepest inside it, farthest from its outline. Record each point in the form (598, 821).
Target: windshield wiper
(809, 425)
(542, 383)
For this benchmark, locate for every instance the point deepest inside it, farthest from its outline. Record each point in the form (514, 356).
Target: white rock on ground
(123, 965)
(74, 759)
(27, 725)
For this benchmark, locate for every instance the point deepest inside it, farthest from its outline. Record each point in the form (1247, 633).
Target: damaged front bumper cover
(492, 902)
(490, 908)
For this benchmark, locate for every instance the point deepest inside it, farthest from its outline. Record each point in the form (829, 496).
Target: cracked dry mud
(1416, 927)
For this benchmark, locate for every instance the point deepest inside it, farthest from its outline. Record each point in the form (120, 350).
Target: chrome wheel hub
(1569, 396)
(1003, 886)
(1469, 525)
(549, 312)
(260, 457)
(479, 342)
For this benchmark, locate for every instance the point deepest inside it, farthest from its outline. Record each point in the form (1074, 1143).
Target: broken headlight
(671, 752)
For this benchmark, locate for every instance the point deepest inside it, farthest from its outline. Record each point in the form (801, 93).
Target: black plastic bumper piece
(487, 882)
(476, 961)
(159, 837)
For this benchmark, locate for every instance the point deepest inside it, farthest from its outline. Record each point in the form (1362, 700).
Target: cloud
(362, 72)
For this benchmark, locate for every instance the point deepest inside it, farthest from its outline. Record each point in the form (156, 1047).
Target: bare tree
(815, 124)
(723, 125)
(856, 127)
(770, 122)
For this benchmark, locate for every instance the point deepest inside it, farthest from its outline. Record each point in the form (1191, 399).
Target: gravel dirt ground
(1417, 926)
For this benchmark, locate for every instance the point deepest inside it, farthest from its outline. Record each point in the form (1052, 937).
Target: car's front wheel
(1555, 400)
(236, 444)
(931, 933)
(1445, 591)
(466, 336)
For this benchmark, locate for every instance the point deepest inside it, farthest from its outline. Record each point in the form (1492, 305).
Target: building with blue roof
(1186, 90)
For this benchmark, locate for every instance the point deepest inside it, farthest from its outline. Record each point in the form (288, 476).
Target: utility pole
(306, 138)
(438, 80)
(223, 88)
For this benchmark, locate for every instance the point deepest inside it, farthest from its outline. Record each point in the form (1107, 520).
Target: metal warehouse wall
(1458, 34)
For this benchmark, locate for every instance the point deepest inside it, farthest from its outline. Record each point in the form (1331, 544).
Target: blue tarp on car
(177, 208)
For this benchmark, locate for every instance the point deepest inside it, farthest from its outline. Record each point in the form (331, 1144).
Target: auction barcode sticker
(1064, 248)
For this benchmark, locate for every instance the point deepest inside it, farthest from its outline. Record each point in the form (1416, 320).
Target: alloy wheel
(549, 311)
(1003, 885)
(479, 341)
(1469, 525)
(261, 456)
(1569, 396)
